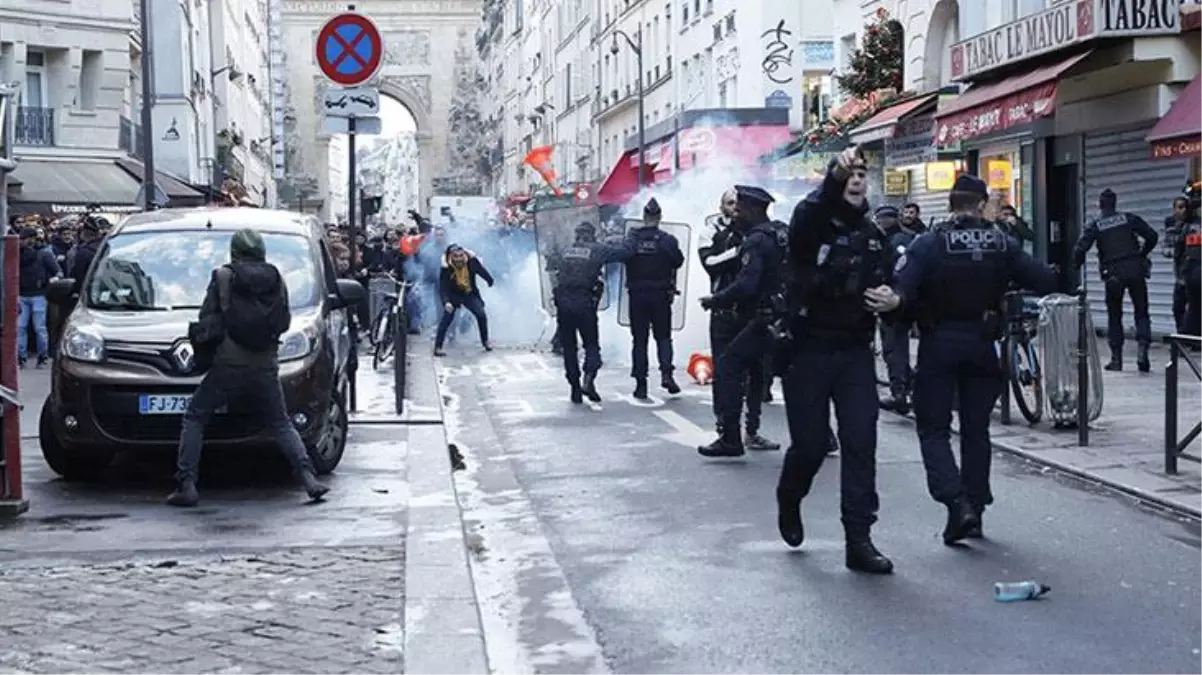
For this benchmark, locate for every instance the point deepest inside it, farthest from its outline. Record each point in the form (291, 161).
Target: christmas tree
(878, 63)
(465, 140)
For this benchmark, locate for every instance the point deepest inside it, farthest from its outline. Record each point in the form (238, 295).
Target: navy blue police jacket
(761, 259)
(578, 269)
(657, 256)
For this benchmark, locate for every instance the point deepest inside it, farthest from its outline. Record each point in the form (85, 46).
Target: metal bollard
(12, 496)
(400, 356)
(1083, 338)
(1007, 303)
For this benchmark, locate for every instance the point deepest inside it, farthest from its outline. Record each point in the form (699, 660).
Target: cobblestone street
(296, 611)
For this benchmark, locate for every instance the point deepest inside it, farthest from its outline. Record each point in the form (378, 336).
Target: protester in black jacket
(457, 288)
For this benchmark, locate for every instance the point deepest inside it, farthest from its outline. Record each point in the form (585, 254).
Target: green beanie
(246, 244)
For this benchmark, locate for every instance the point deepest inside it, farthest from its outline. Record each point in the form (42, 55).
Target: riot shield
(684, 236)
(555, 229)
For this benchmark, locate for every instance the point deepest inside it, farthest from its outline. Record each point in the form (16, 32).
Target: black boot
(977, 532)
(1116, 360)
(728, 444)
(755, 441)
(898, 403)
(669, 384)
(862, 556)
(589, 388)
(185, 495)
(577, 393)
(314, 488)
(640, 389)
(832, 443)
(788, 519)
(1141, 359)
(961, 520)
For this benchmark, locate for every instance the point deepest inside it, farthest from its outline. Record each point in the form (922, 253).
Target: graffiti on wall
(778, 54)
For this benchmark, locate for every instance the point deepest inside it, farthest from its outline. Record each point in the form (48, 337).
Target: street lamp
(636, 46)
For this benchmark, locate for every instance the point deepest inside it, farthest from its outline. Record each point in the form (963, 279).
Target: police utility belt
(990, 325)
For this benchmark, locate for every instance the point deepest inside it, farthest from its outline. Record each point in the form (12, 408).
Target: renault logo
(183, 356)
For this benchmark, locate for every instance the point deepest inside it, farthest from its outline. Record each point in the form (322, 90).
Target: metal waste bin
(1059, 329)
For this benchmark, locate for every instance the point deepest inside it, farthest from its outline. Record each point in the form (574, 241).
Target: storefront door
(1064, 223)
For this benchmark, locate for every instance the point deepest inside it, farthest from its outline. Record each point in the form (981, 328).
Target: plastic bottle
(1018, 591)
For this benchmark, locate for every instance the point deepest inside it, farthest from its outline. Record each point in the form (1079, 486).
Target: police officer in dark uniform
(954, 282)
(839, 263)
(720, 258)
(579, 270)
(1125, 267)
(895, 331)
(1187, 256)
(651, 283)
(754, 295)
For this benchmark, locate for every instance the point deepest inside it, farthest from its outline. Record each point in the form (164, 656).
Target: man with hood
(244, 313)
(80, 257)
(651, 284)
(720, 258)
(577, 274)
(839, 265)
(753, 296)
(1124, 242)
(457, 288)
(954, 282)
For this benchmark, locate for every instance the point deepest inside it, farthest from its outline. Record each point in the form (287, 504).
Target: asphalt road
(604, 542)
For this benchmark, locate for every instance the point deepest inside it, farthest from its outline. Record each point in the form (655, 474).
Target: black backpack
(256, 315)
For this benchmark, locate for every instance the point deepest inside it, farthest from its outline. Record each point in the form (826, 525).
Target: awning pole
(148, 177)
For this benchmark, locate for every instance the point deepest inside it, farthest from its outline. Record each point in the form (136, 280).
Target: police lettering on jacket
(656, 257)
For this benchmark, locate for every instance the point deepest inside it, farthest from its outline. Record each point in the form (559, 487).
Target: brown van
(124, 371)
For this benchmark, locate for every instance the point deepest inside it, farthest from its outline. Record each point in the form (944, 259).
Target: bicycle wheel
(383, 344)
(1026, 380)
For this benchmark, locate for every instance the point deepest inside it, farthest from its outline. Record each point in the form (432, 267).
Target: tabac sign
(1063, 25)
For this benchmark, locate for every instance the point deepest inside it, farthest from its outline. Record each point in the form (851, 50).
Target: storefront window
(816, 96)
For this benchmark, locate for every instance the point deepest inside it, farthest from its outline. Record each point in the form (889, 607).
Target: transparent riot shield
(554, 230)
(684, 236)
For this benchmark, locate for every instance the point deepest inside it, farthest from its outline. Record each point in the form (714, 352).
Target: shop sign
(941, 176)
(912, 143)
(1005, 113)
(1063, 25)
(1175, 148)
(1000, 174)
(897, 183)
(817, 55)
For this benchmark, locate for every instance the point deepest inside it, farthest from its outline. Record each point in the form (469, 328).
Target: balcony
(35, 126)
(129, 138)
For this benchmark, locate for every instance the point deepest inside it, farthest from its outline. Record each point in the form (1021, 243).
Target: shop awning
(1191, 17)
(882, 125)
(732, 146)
(56, 187)
(178, 192)
(622, 183)
(1179, 133)
(998, 106)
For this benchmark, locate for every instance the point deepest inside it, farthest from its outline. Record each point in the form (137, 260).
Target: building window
(684, 13)
(709, 7)
(35, 80)
(730, 23)
(91, 71)
(718, 31)
(696, 9)
(567, 86)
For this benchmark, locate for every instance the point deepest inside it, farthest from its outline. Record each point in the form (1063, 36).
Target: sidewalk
(1126, 443)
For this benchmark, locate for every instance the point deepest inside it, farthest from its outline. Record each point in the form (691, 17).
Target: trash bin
(1058, 344)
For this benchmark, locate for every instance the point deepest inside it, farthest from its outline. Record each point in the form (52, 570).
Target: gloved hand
(449, 307)
(707, 302)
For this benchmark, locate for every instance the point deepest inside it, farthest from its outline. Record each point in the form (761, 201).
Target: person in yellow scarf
(458, 288)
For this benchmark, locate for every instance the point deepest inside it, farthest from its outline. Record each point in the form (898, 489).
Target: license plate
(163, 404)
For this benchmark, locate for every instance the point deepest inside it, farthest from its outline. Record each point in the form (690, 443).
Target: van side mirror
(347, 293)
(60, 291)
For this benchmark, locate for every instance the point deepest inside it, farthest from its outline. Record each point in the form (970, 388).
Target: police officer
(954, 282)
(579, 268)
(895, 331)
(651, 283)
(755, 292)
(1187, 255)
(80, 257)
(839, 263)
(1125, 267)
(720, 258)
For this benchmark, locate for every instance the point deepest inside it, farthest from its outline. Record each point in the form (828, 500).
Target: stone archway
(411, 67)
(943, 29)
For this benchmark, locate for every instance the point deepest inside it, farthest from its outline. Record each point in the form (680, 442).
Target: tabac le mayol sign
(1063, 25)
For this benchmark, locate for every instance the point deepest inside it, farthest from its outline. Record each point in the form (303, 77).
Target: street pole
(147, 137)
(638, 52)
(354, 243)
(8, 123)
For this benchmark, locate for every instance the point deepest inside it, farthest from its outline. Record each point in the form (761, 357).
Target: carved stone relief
(417, 85)
(726, 65)
(407, 48)
(320, 84)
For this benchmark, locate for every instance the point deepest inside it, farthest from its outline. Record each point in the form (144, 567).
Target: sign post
(349, 51)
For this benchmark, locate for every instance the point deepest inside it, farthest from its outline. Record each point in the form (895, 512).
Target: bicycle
(1025, 373)
(384, 326)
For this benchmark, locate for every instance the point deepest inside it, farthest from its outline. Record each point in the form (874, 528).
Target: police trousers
(845, 375)
(1191, 319)
(895, 351)
(724, 326)
(951, 361)
(1137, 288)
(650, 316)
(743, 356)
(573, 320)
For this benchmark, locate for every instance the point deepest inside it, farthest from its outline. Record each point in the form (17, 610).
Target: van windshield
(170, 269)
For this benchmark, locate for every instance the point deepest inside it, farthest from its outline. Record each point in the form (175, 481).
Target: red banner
(998, 115)
(1176, 148)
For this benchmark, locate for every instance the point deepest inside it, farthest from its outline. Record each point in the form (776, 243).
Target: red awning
(1019, 99)
(622, 183)
(733, 146)
(881, 125)
(1179, 133)
(1191, 17)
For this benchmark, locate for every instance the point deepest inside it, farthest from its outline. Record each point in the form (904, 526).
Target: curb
(1149, 498)
(443, 630)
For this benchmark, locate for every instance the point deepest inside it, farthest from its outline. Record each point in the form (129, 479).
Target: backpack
(256, 314)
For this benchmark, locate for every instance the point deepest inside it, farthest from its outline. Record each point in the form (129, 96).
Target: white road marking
(685, 431)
